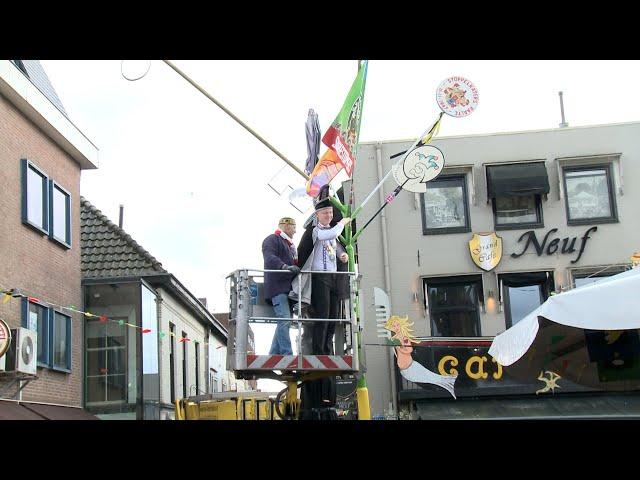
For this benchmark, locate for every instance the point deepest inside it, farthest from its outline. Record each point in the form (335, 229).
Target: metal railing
(246, 300)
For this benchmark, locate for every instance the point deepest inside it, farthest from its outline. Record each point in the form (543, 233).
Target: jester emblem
(455, 96)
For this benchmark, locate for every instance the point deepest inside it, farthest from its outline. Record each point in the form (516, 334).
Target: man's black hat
(323, 200)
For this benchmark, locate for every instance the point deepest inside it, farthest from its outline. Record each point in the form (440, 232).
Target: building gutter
(387, 273)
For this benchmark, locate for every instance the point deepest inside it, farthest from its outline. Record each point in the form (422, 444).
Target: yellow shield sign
(486, 250)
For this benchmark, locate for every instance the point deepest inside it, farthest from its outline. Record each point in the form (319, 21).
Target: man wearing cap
(279, 253)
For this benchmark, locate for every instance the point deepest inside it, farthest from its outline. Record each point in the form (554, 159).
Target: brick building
(42, 155)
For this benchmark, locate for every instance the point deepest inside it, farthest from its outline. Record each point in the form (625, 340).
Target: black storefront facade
(567, 373)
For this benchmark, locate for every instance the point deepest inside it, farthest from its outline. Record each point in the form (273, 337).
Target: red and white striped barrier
(290, 362)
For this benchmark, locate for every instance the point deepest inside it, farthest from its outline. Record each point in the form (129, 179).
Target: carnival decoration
(457, 96)
(550, 383)
(341, 138)
(410, 369)
(422, 162)
(421, 165)
(14, 293)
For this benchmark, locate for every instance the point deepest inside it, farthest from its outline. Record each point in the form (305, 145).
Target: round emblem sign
(421, 165)
(457, 96)
(5, 337)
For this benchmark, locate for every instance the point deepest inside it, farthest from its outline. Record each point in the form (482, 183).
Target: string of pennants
(8, 294)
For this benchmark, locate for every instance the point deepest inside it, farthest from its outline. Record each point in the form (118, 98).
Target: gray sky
(194, 182)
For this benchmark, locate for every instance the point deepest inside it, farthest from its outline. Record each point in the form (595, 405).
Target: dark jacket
(276, 254)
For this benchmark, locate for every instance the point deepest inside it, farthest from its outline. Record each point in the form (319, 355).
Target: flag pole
(228, 112)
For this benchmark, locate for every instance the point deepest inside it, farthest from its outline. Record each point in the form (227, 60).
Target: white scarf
(289, 240)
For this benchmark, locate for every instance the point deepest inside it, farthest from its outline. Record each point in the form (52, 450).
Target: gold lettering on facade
(480, 373)
(497, 375)
(443, 360)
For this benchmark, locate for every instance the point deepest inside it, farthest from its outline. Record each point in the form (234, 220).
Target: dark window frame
(612, 198)
(456, 280)
(447, 230)
(519, 226)
(48, 333)
(596, 272)
(68, 328)
(66, 242)
(546, 287)
(24, 168)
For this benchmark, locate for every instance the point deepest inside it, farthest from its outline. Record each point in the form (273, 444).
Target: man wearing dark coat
(280, 253)
(327, 293)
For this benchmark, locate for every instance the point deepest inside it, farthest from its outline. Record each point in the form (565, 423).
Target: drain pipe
(387, 274)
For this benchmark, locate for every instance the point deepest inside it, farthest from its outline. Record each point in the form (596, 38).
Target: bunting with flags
(14, 293)
(341, 138)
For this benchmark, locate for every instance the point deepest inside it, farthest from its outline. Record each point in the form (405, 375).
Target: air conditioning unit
(22, 354)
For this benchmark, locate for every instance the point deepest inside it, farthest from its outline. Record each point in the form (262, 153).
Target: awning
(604, 305)
(14, 410)
(517, 180)
(58, 412)
(550, 406)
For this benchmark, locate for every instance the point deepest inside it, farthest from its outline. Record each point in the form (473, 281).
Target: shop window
(589, 195)
(445, 206)
(515, 191)
(517, 211)
(106, 368)
(453, 304)
(524, 292)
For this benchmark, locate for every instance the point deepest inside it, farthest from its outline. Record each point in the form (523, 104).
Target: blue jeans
(281, 344)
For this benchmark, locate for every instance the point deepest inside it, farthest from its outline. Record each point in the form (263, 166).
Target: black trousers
(325, 303)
